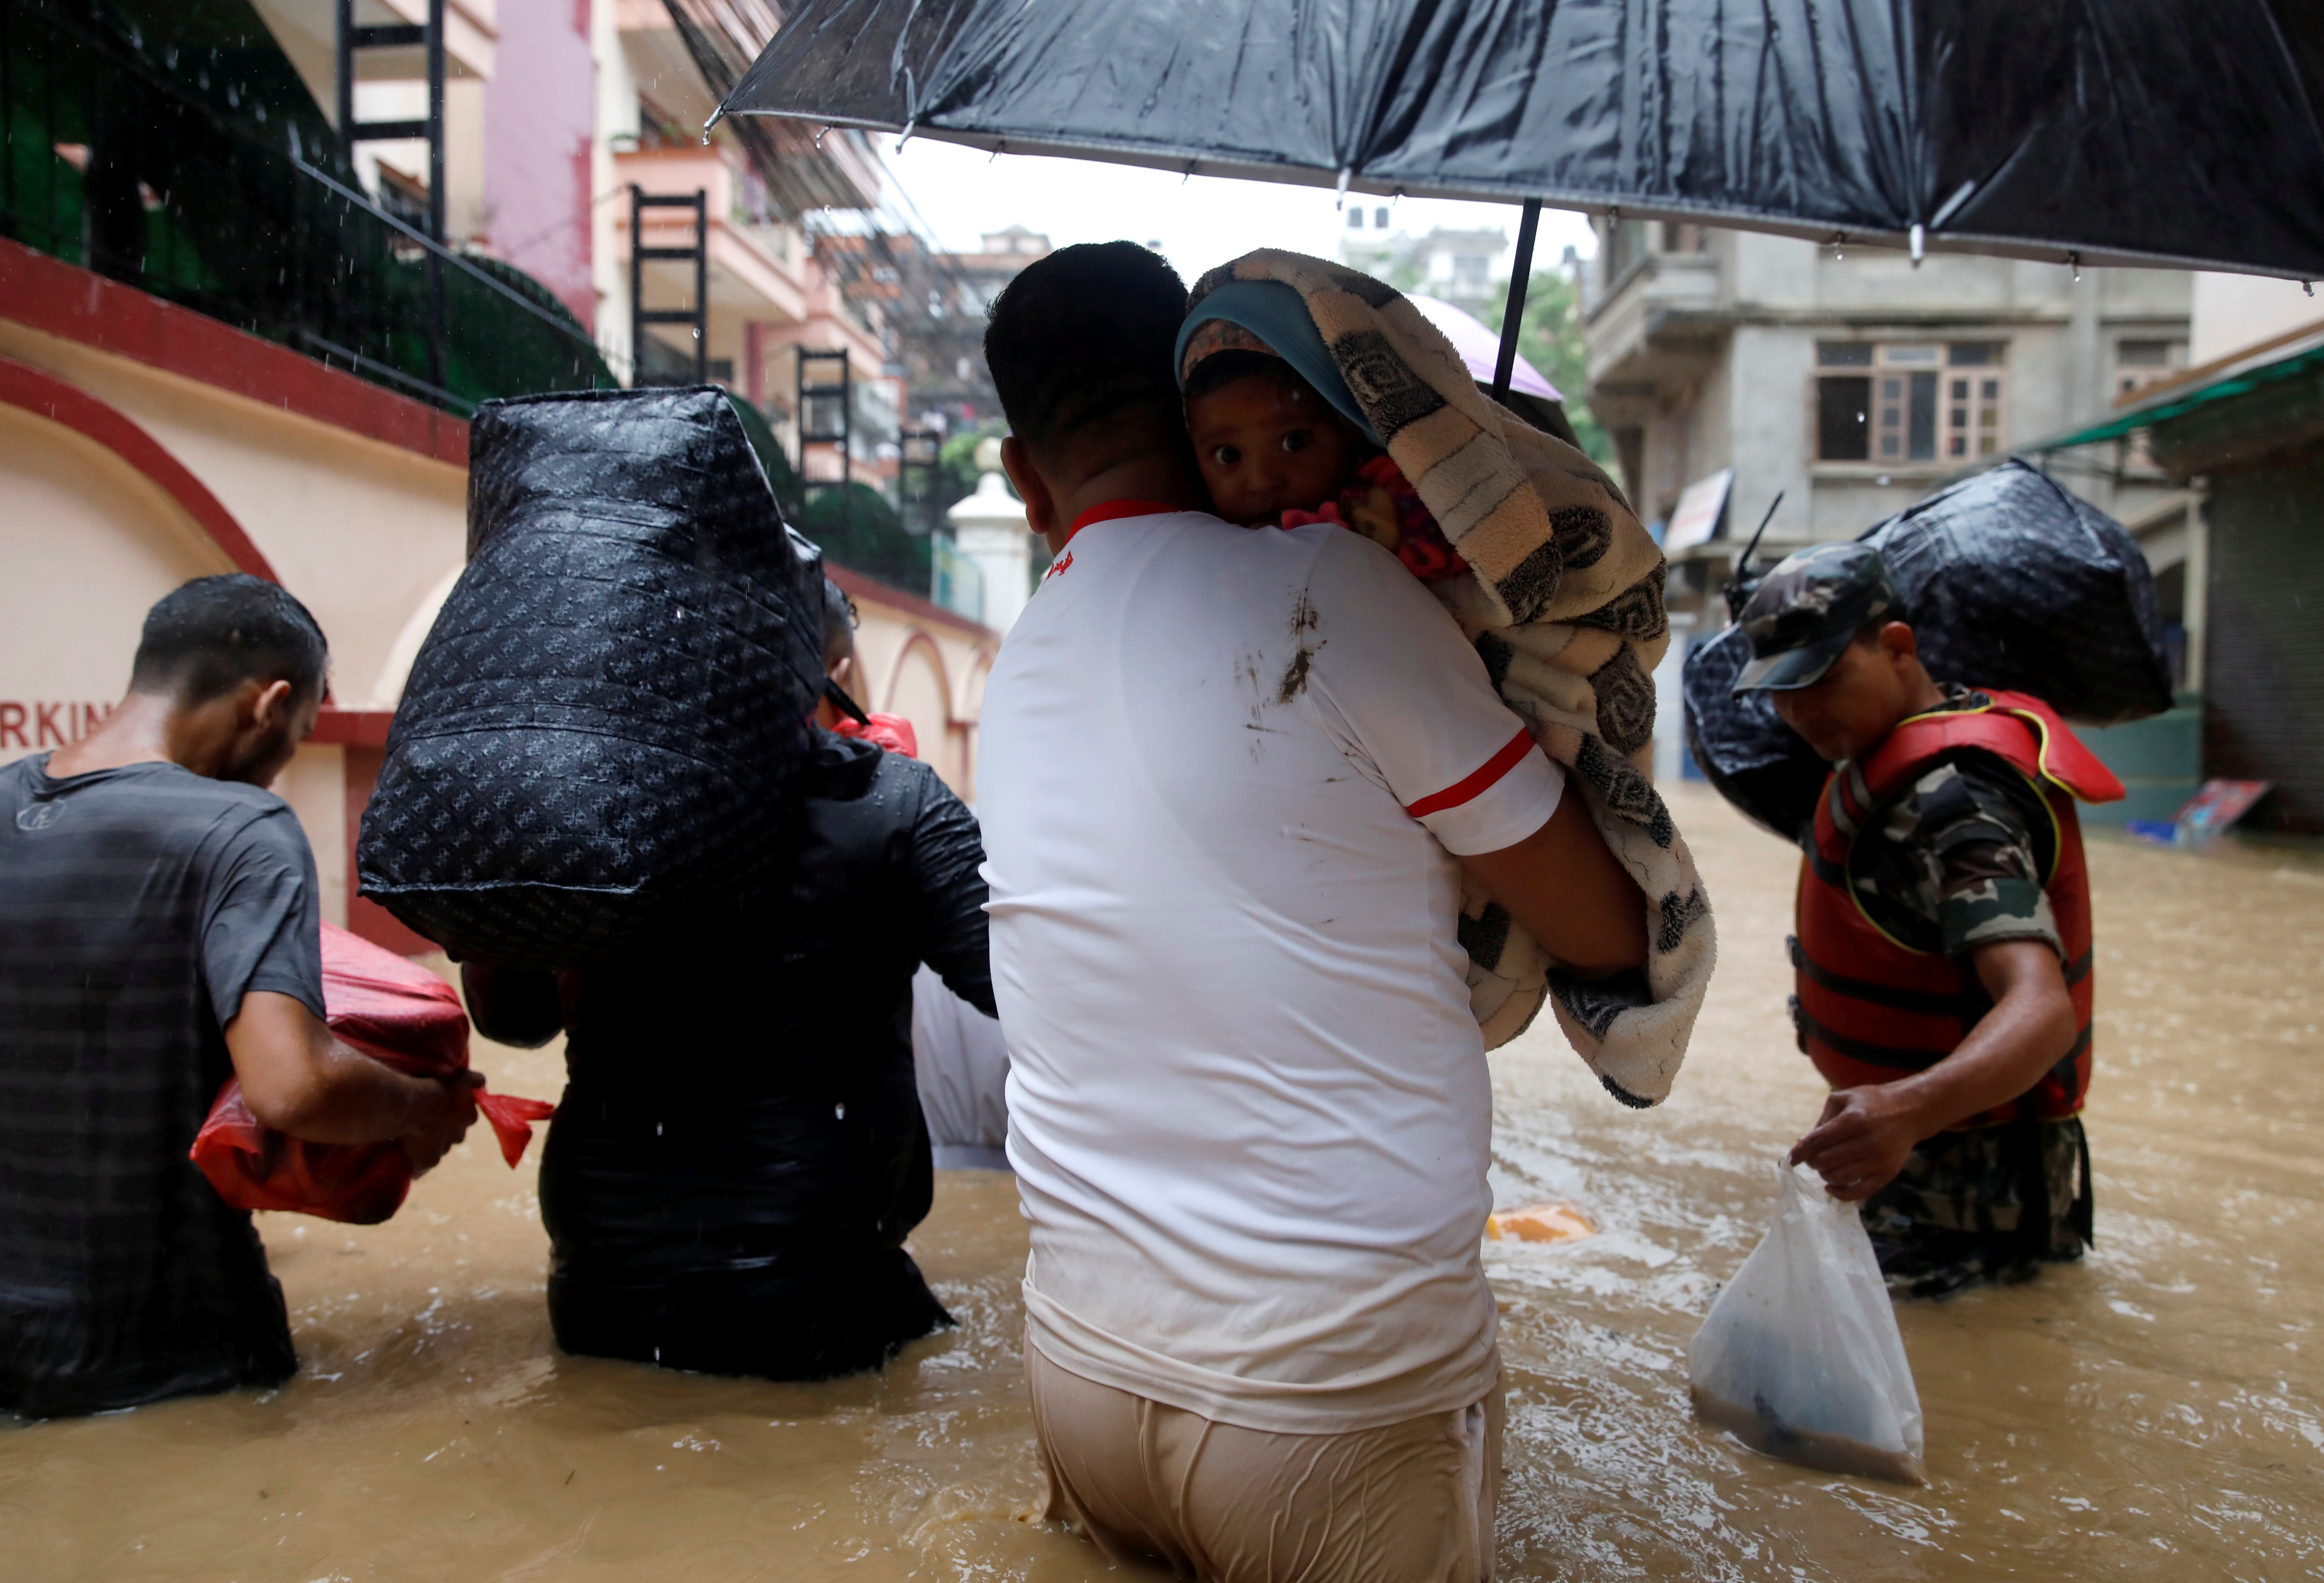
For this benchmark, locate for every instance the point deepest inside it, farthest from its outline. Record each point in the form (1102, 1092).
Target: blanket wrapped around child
(1563, 601)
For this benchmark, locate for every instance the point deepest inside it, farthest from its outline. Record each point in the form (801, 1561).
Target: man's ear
(1898, 639)
(1040, 502)
(267, 705)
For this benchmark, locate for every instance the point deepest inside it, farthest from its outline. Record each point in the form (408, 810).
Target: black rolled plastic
(1743, 748)
(2009, 581)
(601, 723)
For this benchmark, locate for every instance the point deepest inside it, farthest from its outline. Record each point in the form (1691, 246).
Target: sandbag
(398, 1013)
(1800, 1358)
(602, 723)
(2009, 581)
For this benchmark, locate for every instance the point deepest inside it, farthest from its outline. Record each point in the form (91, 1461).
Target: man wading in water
(160, 934)
(1230, 779)
(1944, 935)
(740, 1152)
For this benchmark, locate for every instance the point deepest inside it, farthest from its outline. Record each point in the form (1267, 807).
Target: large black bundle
(2009, 581)
(1743, 748)
(603, 720)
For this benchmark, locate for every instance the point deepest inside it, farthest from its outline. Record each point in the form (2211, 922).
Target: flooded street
(2156, 1411)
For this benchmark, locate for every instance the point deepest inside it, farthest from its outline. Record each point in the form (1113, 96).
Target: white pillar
(988, 528)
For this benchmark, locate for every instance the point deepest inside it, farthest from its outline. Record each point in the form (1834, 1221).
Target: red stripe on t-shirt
(1477, 785)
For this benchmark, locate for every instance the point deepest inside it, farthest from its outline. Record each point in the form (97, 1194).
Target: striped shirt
(137, 907)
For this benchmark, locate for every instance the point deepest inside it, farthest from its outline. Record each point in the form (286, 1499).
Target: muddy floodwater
(2156, 1411)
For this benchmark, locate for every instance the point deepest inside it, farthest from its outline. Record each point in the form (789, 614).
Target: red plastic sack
(890, 731)
(395, 1012)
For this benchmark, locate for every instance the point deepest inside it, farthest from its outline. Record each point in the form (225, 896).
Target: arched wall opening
(88, 544)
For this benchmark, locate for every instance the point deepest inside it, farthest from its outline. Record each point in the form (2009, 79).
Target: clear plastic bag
(1800, 1358)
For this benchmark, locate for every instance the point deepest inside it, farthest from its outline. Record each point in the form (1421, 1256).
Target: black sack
(602, 723)
(2009, 581)
(1742, 746)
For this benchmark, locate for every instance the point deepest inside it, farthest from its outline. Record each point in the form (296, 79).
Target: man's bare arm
(1866, 1133)
(298, 1079)
(1563, 885)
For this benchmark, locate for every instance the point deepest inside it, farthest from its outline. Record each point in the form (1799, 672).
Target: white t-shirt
(1221, 772)
(961, 1063)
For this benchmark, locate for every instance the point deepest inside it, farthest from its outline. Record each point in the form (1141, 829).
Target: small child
(1276, 454)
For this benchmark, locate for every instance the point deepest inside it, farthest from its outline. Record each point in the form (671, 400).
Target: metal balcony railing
(170, 145)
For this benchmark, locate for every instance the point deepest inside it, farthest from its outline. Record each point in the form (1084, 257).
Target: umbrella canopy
(2098, 132)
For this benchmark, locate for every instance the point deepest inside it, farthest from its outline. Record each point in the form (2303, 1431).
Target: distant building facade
(1470, 269)
(948, 388)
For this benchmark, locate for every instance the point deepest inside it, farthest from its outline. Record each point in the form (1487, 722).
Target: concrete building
(943, 348)
(147, 435)
(1730, 367)
(1467, 268)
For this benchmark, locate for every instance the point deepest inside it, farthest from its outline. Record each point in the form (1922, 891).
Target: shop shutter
(2263, 645)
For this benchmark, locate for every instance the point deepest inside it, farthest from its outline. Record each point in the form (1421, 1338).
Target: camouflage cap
(1806, 610)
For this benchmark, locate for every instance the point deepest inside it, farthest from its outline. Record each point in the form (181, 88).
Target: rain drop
(839, 1111)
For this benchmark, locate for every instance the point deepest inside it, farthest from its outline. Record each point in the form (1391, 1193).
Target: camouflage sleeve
(1979, 873)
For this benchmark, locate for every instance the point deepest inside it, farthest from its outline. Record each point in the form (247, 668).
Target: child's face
(1267, 444)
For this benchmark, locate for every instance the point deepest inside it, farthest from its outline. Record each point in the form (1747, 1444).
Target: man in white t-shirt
(1228, 780)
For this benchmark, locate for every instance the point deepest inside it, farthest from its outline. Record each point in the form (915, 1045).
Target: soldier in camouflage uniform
(1943, 949)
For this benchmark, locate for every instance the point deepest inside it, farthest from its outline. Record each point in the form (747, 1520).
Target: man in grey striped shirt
(159, 935)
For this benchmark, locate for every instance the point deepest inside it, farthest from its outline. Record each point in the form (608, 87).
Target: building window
(1975, 383)
(1913, 403)
(1842, 404)
(1380, 218)
(1471, 270)
(1356, 218)
(2140, 363)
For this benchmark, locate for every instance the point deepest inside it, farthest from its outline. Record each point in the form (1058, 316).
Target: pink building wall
(539, 114)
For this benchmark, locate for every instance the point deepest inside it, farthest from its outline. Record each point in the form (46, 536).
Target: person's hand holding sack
(380, 1007)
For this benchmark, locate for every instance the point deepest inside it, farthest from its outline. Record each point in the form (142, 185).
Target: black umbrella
(2182, 132)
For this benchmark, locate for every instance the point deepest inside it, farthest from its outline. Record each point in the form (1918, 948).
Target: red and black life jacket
(1870, 1007)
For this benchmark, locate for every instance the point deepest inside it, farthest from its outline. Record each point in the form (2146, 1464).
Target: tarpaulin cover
(398, 1013)
(2009, 581)
(604, 719)
(2130, 131)
(1742, 746)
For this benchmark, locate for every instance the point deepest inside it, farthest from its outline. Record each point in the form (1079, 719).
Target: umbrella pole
(1513, 316)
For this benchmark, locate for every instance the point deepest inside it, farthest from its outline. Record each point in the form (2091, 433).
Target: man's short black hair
(213, 634)
(838, 624)
(1083, 335)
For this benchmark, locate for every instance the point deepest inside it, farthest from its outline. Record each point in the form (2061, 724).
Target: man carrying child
(1230, 780)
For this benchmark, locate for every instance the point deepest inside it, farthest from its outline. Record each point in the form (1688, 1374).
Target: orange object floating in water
(1556, 1222)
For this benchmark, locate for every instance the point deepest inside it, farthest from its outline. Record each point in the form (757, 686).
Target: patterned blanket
(1564, 602)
